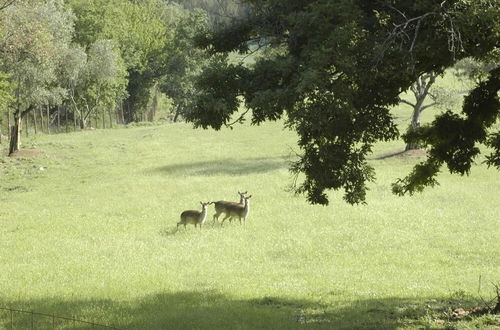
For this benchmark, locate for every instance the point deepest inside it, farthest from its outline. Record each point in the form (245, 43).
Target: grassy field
(87, 229)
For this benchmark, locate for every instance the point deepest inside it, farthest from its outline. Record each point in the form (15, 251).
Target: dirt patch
(28, 153)
(418, 153)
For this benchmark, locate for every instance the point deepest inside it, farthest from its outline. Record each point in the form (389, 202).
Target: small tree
(94, 81)
(420, 89)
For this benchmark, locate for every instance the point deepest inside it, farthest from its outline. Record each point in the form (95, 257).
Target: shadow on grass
(418, 153)
(169, 231)
(212, 310)
(226, 166)
(189, 228)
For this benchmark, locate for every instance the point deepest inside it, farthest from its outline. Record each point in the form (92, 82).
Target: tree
(184, 61)
(5, 98)
(219, 11)
(140, 30)
(34, 35)
(95, 81)
(420, 89)
(468, 71)
(335, 70)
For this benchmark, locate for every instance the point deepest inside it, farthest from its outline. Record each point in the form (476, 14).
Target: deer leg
(227, 216)
(215, 218)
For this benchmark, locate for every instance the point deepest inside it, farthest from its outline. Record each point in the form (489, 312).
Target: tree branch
(239, 120)
(427, 106)
(6, 3)
(406, 102)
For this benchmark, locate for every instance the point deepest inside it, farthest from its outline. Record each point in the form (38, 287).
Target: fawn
(194, 217)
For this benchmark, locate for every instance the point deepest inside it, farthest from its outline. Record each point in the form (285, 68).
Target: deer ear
(201, 203)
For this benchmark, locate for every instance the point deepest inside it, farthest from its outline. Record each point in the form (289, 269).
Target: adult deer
(224, 206)
(238, 210)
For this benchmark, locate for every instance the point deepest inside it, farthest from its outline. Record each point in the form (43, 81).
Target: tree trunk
(34, 121)
(41, 119)
(26, 125)
(74, 121)
(420, 90)
(177, 113)
(154, 106)
(48, 119)
(103, 119)
(122, 113)
(415, 124)
(58, 119)
(66, 118)
(15, 134)
(83, 124)
(110, 112)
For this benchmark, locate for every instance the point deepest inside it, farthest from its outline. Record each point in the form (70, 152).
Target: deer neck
(247, 206)
(203, 214)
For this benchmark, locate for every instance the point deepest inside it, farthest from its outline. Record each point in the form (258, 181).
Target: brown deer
(194, 217)
(239, 211)
(223, 206)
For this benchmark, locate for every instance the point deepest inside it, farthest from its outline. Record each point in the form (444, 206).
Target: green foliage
(140, 30)
(95, 81)
(184, 60)
(218, 11)
(5, 92)
(454, 139)
(33, 39)
(340, 66)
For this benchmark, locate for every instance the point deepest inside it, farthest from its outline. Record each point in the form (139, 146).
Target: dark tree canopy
(335, 67)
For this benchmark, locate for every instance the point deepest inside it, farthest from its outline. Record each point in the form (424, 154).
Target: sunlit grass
(88, 229)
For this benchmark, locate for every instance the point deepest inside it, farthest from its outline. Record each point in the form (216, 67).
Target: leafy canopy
(335, 67)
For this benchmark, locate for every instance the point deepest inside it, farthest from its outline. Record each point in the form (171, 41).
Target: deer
(238, 210)
(223, 206)
(194, 217)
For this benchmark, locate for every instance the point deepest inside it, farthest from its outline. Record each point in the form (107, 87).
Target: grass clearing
(88, 230)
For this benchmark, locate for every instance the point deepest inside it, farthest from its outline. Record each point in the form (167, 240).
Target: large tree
(335, 67)
(33, 37)
(184, 61)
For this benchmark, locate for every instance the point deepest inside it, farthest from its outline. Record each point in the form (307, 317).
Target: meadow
(88, 229)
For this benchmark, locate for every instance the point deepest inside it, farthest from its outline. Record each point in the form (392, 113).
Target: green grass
(87, 230)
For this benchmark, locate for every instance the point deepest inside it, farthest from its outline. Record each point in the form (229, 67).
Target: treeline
(72, 64)
(219, 11)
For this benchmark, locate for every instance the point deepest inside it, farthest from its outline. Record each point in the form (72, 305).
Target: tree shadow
(169, 231)
(227, 166)
(174, 230)
(403, 154)
(206, 309)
